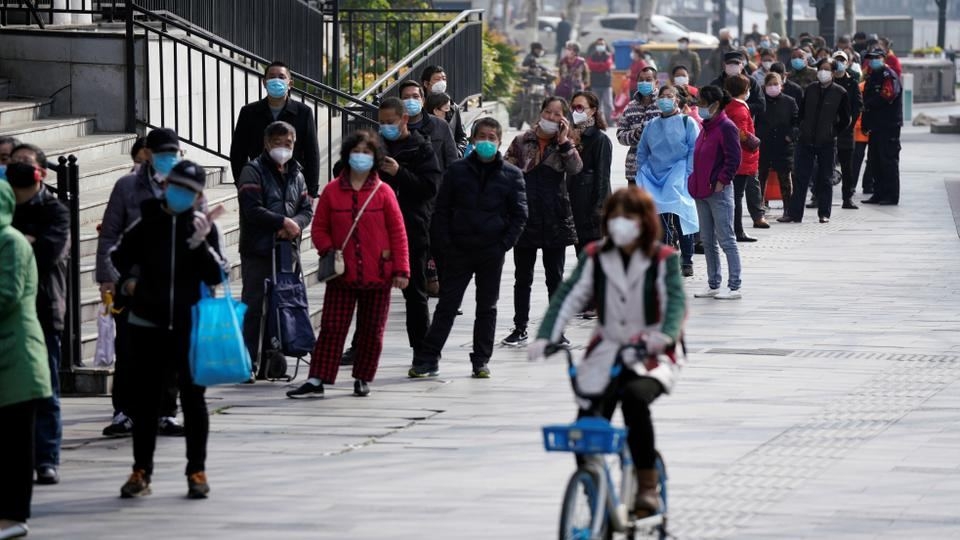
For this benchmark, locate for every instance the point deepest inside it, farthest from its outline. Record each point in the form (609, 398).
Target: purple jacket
(716, 156)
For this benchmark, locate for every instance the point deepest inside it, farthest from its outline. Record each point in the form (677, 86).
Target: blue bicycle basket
(585, 436)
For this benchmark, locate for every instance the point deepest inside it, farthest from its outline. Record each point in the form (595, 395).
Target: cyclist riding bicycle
(636, 285)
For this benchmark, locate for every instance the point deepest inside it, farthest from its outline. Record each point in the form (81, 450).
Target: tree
(775, 20)
(850, 16)
(644, 14)
(573, 13)
(533, 22)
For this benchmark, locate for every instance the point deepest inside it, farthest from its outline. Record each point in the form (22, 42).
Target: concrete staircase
(952, 125)
(102, 159)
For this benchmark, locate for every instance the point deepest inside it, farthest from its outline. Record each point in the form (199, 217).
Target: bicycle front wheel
(582, 508)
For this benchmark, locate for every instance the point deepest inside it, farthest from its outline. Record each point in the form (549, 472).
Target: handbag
(331, 264)
(104, 355)
(751, 142)
(218, 354)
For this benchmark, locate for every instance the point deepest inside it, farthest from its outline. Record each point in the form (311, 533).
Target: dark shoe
(137, 485)
(786, 219)
(517, 338)
(648, 501)
(306, 389)
(169, 426)
(48, 475)
(481, 372)
(871, 200)
(197, 486)
(698, 248)
(687, 270)
(888, 203)
(347, 358)
(459, 311)
(824, 219)
(122, 426)
(760, 224)
(848, 205)
(422, 372)
(361, 388)
(745, 238)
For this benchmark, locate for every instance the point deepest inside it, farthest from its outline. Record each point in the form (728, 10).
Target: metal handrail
(411, 58)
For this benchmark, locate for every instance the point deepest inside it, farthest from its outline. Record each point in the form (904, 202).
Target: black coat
(456, 125)
(824, 114)
(416, 183)
(267, 197)
(590, 187)
(793, 90)
(47, 220)
(155, 253)
(756, 102)
(440, 135)
(780, 122)
(480, 206)
(248, 138)
(883, 101)
(852, 86)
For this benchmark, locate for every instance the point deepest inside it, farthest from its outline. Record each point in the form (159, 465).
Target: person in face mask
(591, 186)
(480, 212)
(664, 162)
(254, 117)
(734, 63)
(573, 72)
(433, 129)
(7, 144)
(882, 120)
(548, 158)
(745, 182)
(434, 82)
(767, 58)
(274, 209)
(824, 114)
(163, 260)
(161, 151)
(686, 58)
(800, 72)
(608, 274)
(777, 129)
(845, 142)
(641, 109)
(600, 64)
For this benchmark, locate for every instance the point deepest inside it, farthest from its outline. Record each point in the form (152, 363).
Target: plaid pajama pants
(373, 306)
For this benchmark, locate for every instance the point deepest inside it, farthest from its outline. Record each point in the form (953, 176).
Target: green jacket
(24, 372)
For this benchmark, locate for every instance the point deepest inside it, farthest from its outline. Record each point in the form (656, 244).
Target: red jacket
(377, 250)
(739, 114)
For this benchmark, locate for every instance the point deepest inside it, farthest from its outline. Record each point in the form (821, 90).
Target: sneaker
(347, 358)
(728, 294)
(707, 293)
(422, 372)
(169, 426)
(137, 485)
(17, 530)
(481, 372)
(47, 475)
(517, 338)
(687, 270)
(361, 388)
(122, 426)
(306, 389)
(197, 486)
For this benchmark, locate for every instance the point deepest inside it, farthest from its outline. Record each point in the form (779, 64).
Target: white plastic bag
(106, 333)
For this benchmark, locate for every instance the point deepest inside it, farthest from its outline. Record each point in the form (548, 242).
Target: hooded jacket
(24, 372)
(48, 220)
(267, 197)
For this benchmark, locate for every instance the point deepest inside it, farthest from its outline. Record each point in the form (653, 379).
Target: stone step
(91, 148)
(954, 119)
(945, 128)
(47, 133)
(23, 110)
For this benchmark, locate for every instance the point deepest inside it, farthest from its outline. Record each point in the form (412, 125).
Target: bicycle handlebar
(616, 370)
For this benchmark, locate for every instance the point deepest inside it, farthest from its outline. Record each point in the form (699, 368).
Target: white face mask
(438, 87)
(623, 231)
(747, 97)
(773, 90)
(732, 69)
(549, 127)
(824, 76)
(766, 65)
(281, 155)
(681, 81)
(579, 117)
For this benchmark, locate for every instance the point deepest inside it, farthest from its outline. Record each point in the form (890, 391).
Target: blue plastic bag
(218, 354)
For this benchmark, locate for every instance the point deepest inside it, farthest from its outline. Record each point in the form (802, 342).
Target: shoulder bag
(331, 264)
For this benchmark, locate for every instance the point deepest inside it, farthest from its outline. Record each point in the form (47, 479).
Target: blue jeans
(49, 428)
(716, 232)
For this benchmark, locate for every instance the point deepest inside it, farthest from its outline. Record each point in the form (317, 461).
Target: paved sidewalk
(825, 404)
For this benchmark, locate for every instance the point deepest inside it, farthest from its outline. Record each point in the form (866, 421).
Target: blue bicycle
(593, 507)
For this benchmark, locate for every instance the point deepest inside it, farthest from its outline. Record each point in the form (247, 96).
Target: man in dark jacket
(161, 152)
(790, 88)
(882, 120)
(481, 211)
(254, 117)
(845, 146)
(734, 63)
(434, 81)
(434, 130)
(800, 70)
(274, 207)
(45, 222)
(824, 113)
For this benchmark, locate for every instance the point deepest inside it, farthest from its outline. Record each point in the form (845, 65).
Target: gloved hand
(536, 350)
(657, 342)
(201, 228)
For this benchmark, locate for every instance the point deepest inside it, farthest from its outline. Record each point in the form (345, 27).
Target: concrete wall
(85, 70)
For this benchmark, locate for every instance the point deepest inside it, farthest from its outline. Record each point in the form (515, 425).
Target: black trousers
(784, 172)
(525, 259)
(859, 154)
(255, 271)
(813, 164)
(458, 270)
(121, 373)
(415, 295)
(16, 460)
(845, 160)
(636, 395)
(163, 353)
(883, 159)
(749, 184)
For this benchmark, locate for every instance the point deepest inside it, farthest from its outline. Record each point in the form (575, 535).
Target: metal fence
(68, 191)
(43, 12)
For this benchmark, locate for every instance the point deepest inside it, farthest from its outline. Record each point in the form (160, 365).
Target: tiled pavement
(823, 405)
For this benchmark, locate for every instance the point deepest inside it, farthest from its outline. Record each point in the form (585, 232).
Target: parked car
(623, 26)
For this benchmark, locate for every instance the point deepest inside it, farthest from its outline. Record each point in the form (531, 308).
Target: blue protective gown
(664, 162)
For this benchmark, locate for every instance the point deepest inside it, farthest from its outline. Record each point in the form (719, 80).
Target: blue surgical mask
(180, 199)
(876, 64)
(666, 105)
(277, 88)
(751, 50)
(412, 106)
(163, 163)
(841, 67)
(486, 150)
(705, 113)
(798, 63)
(645, 88)
(765, 44)
(361, 162)
(3, 172)
(390, 132)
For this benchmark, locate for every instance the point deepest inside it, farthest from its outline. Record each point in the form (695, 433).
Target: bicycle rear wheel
(582, 508)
